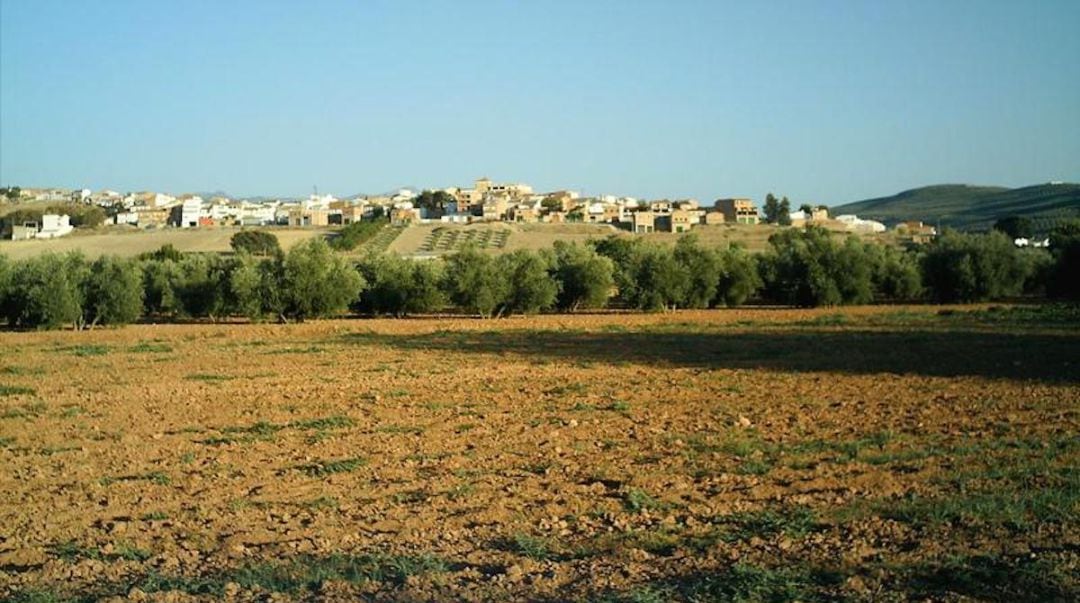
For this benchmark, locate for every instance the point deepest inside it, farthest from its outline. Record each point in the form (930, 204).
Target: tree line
(802, 267)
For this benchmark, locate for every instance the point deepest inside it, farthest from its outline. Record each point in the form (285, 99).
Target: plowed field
(869, 454)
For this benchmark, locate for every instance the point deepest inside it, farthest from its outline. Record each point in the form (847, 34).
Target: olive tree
(315, 282)
(530, 286)
(475, 282)
(45, 292)
(703, 267)
(961, 267)
(255, 242)
(584, 277)
(739, 279)
(113, 292)
(400, 287)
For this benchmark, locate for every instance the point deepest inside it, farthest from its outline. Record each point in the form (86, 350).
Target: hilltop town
(485, 201)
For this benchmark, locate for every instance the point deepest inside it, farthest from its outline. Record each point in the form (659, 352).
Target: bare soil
(869, 454)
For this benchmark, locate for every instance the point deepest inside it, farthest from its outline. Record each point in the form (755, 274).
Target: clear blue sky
(825, 102)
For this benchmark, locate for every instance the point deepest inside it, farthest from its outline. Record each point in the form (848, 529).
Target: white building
(189, 212)
(319, 202)
(257, 214)
(126, 217)
(856, 224)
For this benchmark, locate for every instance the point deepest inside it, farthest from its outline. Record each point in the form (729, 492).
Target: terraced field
(870, 454)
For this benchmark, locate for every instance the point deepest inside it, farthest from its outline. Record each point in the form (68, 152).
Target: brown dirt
(480, 439)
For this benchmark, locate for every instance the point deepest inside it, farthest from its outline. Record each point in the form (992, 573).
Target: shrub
(165, 252)
(584, 277)
(255, 242)
(113, 292)
(353, 235)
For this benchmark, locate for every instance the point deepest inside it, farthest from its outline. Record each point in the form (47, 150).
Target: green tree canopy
(530, 285)
(475, 282)
(739, 278)
(584, 277)
(255, 242)
(401, 287)
(771, 209)
(783, 214)
(961, 267)
(45, 292)
(703, 267)
(1016, 227)
(113, 292)
(315, 282)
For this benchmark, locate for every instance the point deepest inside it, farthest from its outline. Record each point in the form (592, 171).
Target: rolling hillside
(971, 207)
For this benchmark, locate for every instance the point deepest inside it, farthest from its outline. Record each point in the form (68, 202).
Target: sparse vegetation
(733, 456)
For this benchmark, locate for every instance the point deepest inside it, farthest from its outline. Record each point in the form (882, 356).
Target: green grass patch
(16, 390)
(304, 574)
(20, 371)
(209, 377)
(25, 411)
(794, 522)
(83, 350)
(637, 501)
(324, 468)
(155, 477)
(533, 547)
(150, 347)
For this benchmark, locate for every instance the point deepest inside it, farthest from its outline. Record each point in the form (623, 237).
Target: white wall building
(126, 217)
(189, 212)
(856, 224)
(54, 225)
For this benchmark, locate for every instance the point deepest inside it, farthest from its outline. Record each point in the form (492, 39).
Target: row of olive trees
(51, 291)
(567, 278)
(653, 277)
(807, 267)
(810, 267)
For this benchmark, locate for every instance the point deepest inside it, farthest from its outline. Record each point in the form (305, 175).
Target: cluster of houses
(50, 227)
(490, 201)
(485, 201)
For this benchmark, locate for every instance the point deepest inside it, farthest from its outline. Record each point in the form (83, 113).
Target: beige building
(644, 221)
(400, 216)
(485, 186)
(523, 213)
(740, 211)
(683, 220)
(352, 214)
(713, 218)
(308, 217)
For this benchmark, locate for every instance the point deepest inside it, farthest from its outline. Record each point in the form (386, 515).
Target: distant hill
(971, 207)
